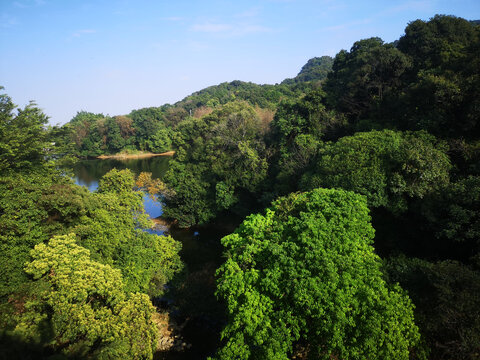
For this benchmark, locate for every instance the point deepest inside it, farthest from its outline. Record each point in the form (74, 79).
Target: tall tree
(364, 76)
(22, 135)
(441, 89)
(220, 159)
(304, 276)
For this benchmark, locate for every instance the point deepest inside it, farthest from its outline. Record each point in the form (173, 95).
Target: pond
(191, 298)
(88, 173)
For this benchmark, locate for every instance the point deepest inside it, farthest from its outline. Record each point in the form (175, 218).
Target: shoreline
(163, 222)
(134, 156)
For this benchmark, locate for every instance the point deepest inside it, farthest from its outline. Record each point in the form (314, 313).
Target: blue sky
(115, 56)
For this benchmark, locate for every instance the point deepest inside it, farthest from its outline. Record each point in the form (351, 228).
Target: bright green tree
(305, 276)
(36, 206)
(82, 309)
(112, 230)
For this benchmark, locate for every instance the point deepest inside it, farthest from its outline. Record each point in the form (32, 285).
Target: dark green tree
(146, 123)
(364, 77)
(388, 167)
(297, 132)
(441, 90)
(446, 298)
(23, 141)
(220, 159)
(453, 217)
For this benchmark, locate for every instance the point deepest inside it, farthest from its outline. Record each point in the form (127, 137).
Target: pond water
(88, 173)
(191, 298)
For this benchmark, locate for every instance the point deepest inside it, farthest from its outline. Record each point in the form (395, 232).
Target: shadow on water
(191, 299)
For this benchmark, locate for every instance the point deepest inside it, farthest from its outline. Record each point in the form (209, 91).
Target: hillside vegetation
(359, 183)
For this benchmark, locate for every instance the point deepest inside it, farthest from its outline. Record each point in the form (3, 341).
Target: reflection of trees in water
(90, 171)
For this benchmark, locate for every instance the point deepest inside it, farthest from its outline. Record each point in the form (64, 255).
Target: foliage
(427, 80)
(441, 42)
(305, 273)
(117, 181)
(362, 78)
(220, 159)
(36, 206)
(297, 133)
(316, 69)
(95, 134)
(442, 88)
(265, 96)
(446, 297)
(33, 208)
(112, 231)
(453, 216)
(83, 310)
(22, 135)
(388, 167)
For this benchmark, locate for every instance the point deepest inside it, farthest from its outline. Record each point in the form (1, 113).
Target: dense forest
(357, 189)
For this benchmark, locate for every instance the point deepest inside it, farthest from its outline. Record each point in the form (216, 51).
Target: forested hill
(316, 69)
(149, 129)
(263, 96)
(397, 123)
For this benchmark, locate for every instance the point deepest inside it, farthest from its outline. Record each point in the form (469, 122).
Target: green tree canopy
(441, 90)
(220, 158)
(297, 132)
(81, 308)
(364, 76)
(304, 274)
(36, 206)
(23, 142)
(388, 167)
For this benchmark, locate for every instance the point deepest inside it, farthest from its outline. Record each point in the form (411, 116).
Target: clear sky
(115, 56)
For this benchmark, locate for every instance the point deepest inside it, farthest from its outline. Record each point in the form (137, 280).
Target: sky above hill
(115, 56)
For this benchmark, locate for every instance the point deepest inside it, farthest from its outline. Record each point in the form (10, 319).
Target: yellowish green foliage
(84, 311)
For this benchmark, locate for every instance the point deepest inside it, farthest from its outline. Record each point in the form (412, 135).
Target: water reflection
(88, 173)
